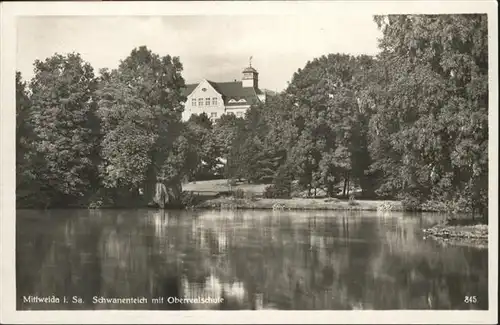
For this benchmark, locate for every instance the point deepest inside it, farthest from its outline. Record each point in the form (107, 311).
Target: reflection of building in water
(213, 288)
(160, 223)
(222, 241)
(402, 235)
(211, 233)
(316, 242)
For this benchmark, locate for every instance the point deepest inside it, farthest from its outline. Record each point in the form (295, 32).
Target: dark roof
(231, 90)
(250, 69)
(189, 89)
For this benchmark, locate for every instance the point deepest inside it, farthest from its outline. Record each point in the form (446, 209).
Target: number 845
(470, 299)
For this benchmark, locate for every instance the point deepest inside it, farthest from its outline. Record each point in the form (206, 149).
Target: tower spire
(251, 57)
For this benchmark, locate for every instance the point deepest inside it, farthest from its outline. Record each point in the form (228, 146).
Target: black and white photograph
(246, 162)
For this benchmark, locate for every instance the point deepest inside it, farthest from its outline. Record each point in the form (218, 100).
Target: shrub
(249, 195)
(282, 185)
(411, 202)
(95, 204)
(238, 194)
(352, 201)
(269, 192)
(385, 206)
(188, 199)
(273, 192)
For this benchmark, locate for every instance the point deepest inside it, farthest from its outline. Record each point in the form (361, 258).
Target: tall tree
(251, 156)
(224, 132)
(64, 126)
(201, 133)
(25, 187)
(430, 130)
(140, 109)
(329, 116)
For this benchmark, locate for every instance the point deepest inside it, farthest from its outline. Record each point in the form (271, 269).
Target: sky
(210, 47)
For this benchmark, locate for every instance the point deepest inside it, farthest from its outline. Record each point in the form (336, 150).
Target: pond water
(336, 260)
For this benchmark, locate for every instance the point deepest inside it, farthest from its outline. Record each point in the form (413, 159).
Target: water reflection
(251, 259)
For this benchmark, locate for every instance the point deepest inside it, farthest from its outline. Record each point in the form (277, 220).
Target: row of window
(240, 101)
(200, 101)
(213, 115)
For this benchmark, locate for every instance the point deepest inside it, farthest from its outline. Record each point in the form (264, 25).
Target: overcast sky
(212, 47)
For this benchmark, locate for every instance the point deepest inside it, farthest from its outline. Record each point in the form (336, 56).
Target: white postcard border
(9, 12)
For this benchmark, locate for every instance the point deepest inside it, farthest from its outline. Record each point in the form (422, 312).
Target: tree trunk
(161, 195)
(348, 181)
(329, 189)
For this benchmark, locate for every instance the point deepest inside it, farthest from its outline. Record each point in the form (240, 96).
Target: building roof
(250, 69)
(231, 90)
(189, 89)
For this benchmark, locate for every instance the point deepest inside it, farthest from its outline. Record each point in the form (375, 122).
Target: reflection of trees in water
(255, 259)
(62, 261)
(410, 273)
(289, 267)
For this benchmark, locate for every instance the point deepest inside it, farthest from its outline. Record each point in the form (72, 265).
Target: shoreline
(467, 234)
(300, 204)
(259, 203)
(459, 235)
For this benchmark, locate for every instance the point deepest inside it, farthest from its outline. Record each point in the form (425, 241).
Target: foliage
(188, 199)
(65, 131)
(224, 132)
(205, 145)
(352, 201)
(26, 186)
(429, 135)
(282, 185)
(252, 156)
(328, 114)
(238, 194)
(410, 123)
(140, 111)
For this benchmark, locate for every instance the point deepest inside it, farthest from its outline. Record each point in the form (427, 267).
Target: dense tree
(65, 128)
(430, 130)
(252, 157)
(201, 135)
(330, 117)
(224, 132)
(25, 183)
(411, 123)
(140, 110)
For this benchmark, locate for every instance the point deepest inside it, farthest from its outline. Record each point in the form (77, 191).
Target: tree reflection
(253, 259)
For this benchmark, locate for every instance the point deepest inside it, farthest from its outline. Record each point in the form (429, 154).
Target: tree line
(409, 123)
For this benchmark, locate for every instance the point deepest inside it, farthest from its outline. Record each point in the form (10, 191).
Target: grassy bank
(466, 232)
(473, 232)
(222, 185)
(299, 204)
(215, 194)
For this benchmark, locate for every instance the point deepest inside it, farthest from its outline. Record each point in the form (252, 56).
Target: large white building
(218, 98)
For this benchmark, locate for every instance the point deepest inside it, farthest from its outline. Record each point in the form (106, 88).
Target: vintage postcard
(249, 162)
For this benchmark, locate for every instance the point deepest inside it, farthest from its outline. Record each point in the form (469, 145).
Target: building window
(200, 101)
(239, 114)
(193, 102)
(207, 101)
(213, 115)
(214, 101)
